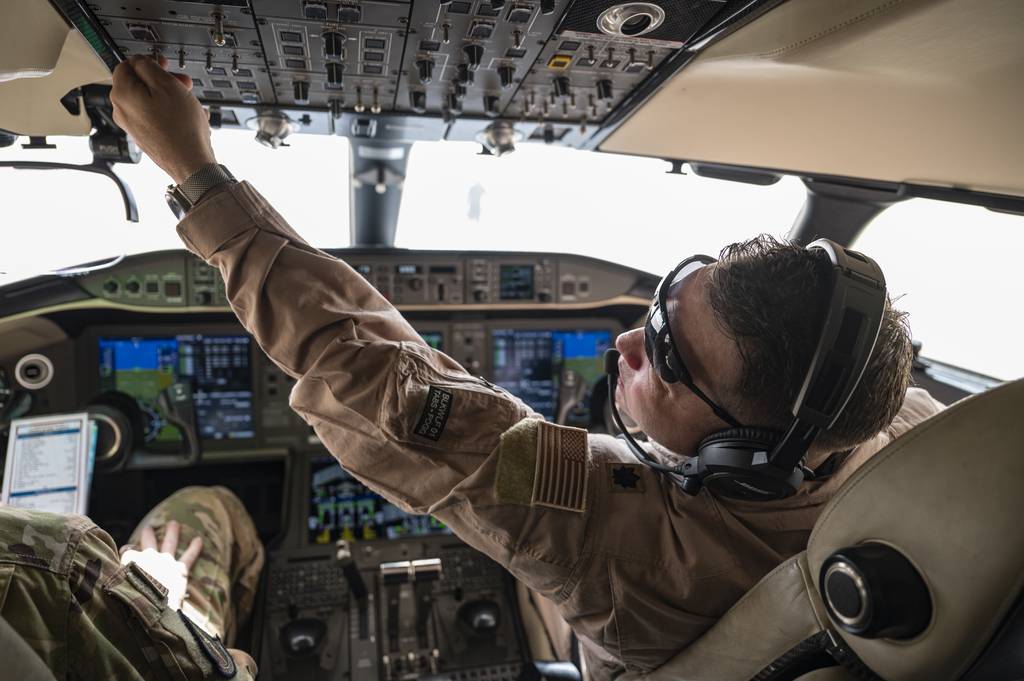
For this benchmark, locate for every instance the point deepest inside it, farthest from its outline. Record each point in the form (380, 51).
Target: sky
(955, 268)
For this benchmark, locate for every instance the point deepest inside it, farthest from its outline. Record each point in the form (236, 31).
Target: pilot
(638, 569)
(150, 613)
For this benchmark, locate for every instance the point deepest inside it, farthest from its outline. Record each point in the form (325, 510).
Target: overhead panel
(527, 59)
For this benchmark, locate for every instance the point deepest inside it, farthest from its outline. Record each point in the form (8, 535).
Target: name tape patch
(435, 414)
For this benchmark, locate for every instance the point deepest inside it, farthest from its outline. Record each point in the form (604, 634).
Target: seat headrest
(948, 495)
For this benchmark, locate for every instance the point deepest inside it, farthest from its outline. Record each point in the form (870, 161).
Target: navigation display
(516, 282)
(530, 363)
(434, 339)
(217, 367)
(341, 507)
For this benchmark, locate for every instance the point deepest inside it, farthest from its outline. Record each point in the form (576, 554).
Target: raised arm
(405, 419)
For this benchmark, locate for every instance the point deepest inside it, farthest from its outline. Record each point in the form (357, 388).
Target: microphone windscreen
(611, 361)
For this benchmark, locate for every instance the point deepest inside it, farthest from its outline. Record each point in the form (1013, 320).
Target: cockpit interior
(870, 104)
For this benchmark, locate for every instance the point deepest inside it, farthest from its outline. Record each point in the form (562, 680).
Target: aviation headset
(763, 464)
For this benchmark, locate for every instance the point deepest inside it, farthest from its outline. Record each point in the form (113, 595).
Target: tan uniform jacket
(634, 566)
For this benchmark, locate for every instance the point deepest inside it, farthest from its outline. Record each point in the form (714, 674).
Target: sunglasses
(660, 346)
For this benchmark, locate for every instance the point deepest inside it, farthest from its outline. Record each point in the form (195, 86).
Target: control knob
(480, 295)
(110, 286)
(474, 55)
(132, 286)
(507, 74)
(425, 69)
(547, 6)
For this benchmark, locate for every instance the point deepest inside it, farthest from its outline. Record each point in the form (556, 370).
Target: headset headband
(852, 322)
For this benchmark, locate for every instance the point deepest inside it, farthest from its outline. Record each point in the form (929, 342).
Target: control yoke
(122, 426)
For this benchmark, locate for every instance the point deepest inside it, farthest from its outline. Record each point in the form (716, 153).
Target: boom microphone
(611, 367)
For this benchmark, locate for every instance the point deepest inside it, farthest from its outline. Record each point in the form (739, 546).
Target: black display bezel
(89, 358)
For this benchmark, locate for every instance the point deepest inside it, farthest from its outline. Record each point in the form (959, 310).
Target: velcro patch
(561, 474)
(435, 414)
(212, 648)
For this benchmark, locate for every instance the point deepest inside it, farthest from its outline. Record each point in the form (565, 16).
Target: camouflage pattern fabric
(222, 582)
(63, 589)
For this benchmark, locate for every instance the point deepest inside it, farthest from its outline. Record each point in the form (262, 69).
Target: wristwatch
(181, 198)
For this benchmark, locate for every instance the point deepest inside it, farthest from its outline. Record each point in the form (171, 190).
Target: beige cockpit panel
(924, 91)
(41, 60)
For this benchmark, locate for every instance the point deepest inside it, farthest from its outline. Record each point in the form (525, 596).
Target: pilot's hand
(245, 662)
(162, 564)
(160, 113)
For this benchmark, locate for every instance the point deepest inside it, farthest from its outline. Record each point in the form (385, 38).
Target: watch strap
(203, 180)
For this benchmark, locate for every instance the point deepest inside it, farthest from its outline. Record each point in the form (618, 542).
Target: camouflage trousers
(64, 591)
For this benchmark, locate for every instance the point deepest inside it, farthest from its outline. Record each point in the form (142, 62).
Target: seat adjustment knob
(872, 591)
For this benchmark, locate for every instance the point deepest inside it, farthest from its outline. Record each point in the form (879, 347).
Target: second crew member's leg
(223, 580)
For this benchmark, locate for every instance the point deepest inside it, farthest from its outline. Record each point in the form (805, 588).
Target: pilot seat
(914, 571)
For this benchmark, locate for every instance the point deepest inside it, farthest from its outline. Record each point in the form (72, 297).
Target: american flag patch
(561, 475)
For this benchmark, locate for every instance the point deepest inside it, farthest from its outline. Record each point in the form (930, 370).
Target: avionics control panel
(358, 589)
(536, 324)
(407, 279)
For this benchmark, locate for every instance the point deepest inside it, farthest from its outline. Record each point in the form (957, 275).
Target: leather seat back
(948, 495)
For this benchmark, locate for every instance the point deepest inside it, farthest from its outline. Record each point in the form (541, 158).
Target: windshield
(619, 208)
(57, 218)
(625, 209)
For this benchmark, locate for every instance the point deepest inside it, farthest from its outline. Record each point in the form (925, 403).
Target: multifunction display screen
(516, 282)
(341, 507)
(217, 368)
(533, 364)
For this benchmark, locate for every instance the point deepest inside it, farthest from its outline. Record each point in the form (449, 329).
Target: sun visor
(921, 91)
(41, 60)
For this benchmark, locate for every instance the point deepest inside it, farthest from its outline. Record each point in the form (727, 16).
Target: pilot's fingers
(185, 80)
(245, 661)
(171, 532)
(195, 547)
(126, 83)
(147, 540)
(150, 72)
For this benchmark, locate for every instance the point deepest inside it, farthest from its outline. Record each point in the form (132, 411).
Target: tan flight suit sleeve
(405, 419)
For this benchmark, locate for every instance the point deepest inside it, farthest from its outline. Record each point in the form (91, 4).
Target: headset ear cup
(753, 437)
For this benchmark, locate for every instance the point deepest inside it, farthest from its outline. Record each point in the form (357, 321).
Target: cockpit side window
(957, 270)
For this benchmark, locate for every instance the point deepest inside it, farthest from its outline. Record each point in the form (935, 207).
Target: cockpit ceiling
(922, 91)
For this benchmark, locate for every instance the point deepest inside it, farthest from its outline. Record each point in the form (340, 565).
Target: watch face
(175, 202)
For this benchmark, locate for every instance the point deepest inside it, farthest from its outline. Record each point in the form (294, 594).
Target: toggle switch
(474, 55)
(560, 86)
(463, 75)
(219, 39)
(507, 75)
(425, 69)
(604, 89)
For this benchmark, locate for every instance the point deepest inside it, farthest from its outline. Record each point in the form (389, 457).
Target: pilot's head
(745, 328)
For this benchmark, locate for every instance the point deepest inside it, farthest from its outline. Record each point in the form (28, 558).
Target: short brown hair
(770, 297)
